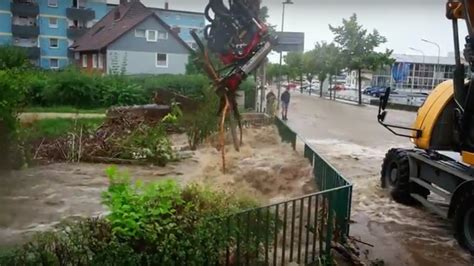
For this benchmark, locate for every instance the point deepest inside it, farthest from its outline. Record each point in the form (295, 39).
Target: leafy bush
(188, 85)
(57, 127)
(204, 121)
(13, 57)
(70, 87)
(153, 224)
(146, 142)
(117, 90)
(12, 88)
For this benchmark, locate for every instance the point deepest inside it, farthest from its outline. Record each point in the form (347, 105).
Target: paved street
(352, 140)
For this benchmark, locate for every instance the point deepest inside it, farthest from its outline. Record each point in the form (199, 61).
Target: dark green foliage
(204, 121)
(188, 85)
(358, 48)
(57, 127)
(13, 57)
(118, 90)
(12, 88)
(153, 224)
(146, 142)
(69, 87)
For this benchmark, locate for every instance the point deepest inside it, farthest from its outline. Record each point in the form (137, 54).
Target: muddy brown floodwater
(352, 140)
(38, 198)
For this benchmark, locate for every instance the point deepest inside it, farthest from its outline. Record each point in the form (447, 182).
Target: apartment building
(46, 28)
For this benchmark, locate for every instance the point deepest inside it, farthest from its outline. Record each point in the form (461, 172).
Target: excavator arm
(241, 42)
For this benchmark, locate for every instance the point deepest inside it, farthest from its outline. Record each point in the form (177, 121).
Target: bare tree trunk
(330, 87)
(264, 83)
(360, 85)
(321, 82)
(301, 82)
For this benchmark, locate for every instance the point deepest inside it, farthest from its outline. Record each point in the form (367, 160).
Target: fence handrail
(326, 191)
(304, 140)
(325, 160)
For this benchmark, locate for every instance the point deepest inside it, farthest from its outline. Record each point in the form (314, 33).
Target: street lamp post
(287, 2)
(437, 65)
(423, 53)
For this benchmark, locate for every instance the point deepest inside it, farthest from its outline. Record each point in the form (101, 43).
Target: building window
(101, 61)
(140, 33)
(151, 35)
(53, 43)
(53, 23)
(54, 63)
(94, 61)
(84, 60)
(161, 60)
(53, 3)
(77, 56)
(162, 35)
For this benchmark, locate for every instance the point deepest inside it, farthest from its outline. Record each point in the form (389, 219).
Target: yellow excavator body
(430, 111)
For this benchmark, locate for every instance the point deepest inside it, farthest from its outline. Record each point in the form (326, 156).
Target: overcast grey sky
(403, 22)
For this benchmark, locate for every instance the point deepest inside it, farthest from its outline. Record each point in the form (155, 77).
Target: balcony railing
(25, 31)
(24, 8)
(75, 33)
(82, 14)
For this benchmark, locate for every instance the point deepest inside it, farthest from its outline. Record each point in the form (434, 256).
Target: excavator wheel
(395, 177)
(464, 221)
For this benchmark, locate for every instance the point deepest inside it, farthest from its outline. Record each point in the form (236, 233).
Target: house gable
(130, 42)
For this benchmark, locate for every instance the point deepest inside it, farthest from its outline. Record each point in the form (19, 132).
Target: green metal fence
(286, 133)
(300, 230)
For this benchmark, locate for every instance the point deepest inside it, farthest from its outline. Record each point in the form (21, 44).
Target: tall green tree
(358, 47)
(335, 64)
(294, 60)
(310, 66)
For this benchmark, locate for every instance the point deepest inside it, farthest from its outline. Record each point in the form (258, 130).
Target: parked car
(338, 87)
(367, 90)
(379, 91)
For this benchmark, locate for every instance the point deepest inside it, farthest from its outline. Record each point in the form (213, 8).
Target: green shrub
(12, 88)
(188, 85)
(146, 142)
(202, 123)
(70, 87)
(117, 90)
(153, 224)
(13, 57)
(57, 127)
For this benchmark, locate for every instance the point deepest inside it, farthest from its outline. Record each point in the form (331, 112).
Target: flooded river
(38, 198)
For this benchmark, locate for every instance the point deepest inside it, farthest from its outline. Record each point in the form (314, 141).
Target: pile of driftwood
(98, 145)
(102, 145)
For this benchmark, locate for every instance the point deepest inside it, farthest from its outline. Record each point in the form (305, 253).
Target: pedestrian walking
(285, 103)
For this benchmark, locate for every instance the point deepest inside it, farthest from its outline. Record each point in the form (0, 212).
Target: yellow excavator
(429, 174)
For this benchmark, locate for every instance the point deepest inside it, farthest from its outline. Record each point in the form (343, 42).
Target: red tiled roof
(108, 29)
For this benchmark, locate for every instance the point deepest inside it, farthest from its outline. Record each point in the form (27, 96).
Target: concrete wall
(5, 27)
(137, 62)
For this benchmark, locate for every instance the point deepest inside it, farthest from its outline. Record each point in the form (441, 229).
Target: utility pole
(287, 2)
(437, 65)
(421, 52)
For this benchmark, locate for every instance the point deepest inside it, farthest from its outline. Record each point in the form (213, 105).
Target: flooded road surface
(352, 140)
(38, 198)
